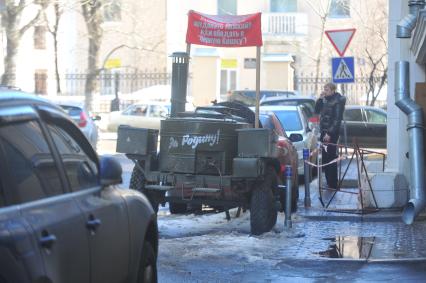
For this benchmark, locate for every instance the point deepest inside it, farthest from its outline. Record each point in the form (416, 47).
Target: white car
(295, 121)
(141, 115)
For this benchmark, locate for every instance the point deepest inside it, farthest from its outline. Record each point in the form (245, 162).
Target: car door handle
(93, 223)
(47, 240)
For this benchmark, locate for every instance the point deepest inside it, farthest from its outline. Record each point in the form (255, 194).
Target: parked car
(270, 121)
(307, 103)
(62, 216)
(142, 115)
(295, 121)
(365, 125)
(248, 97)
(84, 120)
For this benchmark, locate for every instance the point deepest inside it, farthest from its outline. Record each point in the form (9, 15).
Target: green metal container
(198, 145)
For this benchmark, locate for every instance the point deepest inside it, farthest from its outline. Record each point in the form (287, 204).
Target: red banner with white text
(224, 30)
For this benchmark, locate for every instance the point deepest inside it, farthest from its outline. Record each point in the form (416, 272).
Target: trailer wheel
(137, 182)
(263, 214)
(177, 208)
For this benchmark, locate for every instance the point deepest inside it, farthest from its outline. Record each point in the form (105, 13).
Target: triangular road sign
(343, 72)
(340, 38)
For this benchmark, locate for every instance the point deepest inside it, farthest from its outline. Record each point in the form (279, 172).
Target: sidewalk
(374, 237)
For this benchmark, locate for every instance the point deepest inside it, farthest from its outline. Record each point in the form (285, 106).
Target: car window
(375, 117)
(33, 171)
(354, 115)
(158, 111)
(81, 171)
(266, 122)
(71, 110)
(136, 110)
(290, 120)
(306, 111)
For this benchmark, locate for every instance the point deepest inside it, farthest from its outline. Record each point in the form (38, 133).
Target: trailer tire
(137, 182)
(263, 215)
(147, 272)
(177, 208)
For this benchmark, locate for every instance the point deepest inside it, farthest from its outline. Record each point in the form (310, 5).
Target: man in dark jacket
(330, 106)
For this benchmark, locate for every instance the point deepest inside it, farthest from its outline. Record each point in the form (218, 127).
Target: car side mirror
(96, 118)
(110, 171)
(295, 137)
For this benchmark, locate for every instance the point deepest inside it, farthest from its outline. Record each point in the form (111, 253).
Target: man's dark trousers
(327, 156)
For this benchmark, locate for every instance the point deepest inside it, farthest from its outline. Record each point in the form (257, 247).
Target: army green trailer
(208, 158)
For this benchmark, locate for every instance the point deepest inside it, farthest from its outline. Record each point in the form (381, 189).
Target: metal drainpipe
(415, 136)
(407, 24)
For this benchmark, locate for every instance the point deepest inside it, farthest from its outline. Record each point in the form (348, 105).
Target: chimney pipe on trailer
(179, 82)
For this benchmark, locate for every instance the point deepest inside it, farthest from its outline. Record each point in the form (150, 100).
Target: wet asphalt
(322, 246)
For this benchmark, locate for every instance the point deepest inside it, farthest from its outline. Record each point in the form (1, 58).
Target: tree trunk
(92, 67)
(8, 78)
(12, 44)
(92, 16)
(58, 79)
(318, 61)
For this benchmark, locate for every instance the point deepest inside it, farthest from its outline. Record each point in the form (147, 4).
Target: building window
(340, 9)
(40, 78)
(227, 7)
(283, 6)
(112, 11)
(228, 80)
(40, 37)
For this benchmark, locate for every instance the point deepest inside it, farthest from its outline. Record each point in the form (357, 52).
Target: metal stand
(358, 155)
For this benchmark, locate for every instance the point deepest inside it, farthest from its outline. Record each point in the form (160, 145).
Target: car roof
(11, 95)
(278, 107)
(289, 98)
(364, 107)
(264, 90)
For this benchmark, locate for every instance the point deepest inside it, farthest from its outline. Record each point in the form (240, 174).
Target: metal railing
(284, 24)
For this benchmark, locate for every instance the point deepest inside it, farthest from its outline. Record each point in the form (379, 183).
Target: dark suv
(62, 217)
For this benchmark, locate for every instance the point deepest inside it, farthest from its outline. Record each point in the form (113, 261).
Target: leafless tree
(92, 14)
(321, 9)
(372, 32)
(52, 25)
(15, 29)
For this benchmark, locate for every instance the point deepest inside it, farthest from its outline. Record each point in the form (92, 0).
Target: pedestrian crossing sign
(343, 69)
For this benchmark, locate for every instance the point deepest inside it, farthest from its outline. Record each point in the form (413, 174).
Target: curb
(361, 260)
(384, 215)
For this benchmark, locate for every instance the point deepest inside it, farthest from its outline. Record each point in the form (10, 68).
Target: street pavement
(323, 245)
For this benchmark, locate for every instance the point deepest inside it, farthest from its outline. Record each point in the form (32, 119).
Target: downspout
(415, 136)
(407, 24)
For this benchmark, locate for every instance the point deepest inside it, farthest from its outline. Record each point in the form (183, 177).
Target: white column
(397, 138)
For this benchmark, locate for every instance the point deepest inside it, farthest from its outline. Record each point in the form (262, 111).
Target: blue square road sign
(343, 69)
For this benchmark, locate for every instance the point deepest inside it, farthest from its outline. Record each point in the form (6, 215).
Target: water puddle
(350, 247)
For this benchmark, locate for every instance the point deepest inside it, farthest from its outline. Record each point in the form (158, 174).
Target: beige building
(134, 39)
(293, 37)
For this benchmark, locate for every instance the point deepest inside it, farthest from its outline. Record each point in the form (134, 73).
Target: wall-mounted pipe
(407, 24)
(415, 129)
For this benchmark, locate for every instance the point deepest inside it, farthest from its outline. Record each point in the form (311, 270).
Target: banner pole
(256, 122)
(188, 51)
